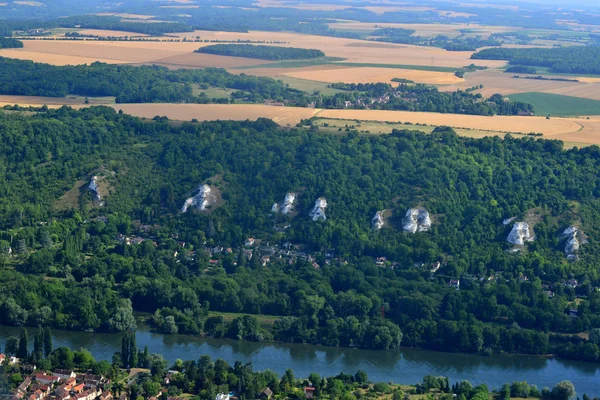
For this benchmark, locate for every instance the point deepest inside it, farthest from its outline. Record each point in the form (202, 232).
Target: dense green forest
(64, 263)
(205, 378)
(10, 43)
(274, 53)
(574, 59)
(143, 84)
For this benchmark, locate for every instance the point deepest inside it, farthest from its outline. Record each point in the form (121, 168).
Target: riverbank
(404, 365)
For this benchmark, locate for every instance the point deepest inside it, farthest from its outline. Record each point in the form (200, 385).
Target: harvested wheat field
(107, 33)
(352, 50)
(63, 52)
(208, 112)
(500, 82)
(450, 30)
(371, 74)
(200, 60)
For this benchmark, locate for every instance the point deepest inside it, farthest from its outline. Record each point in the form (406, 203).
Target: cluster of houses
(63, 385)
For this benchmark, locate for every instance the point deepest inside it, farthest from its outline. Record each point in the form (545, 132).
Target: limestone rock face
(318, 211)
(377, 222)
(416, 220)
(520, 234)
(573, 242)
(287, 206)
(201, 200)
(93, 187)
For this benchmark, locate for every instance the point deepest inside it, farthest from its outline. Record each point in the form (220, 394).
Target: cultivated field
(573, 131)
(370, 74)
(450, 30)
(558, 105)
(495, 81)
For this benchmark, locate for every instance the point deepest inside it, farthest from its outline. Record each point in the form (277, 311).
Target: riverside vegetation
(66, 263)
(205, 378)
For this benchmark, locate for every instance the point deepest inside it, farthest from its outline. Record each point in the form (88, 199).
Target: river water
(399, 366)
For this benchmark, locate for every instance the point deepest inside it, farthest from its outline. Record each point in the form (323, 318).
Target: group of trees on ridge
(263, 52)
(152, 84)
(572, 60)
(70, 272)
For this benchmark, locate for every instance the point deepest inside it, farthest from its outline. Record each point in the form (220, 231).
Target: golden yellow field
(370, 74)
(574, 131)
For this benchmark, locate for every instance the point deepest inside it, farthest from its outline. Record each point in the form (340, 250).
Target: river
(399, 366)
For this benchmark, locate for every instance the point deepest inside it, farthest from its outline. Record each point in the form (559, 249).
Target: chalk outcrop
(200, 201)
(416, 220)
(574, 239)
(318, 211)
(377, 222)
(287, 206)
(93, 187)
(520, 234)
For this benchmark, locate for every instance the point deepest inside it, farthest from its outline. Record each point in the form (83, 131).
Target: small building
(455, 283)
(309, 392)
(266, 394)
(24, 385)
(47, 379)
(223, 396)
(64, 374)
(249, 242)
(573, 312)
(2, 358)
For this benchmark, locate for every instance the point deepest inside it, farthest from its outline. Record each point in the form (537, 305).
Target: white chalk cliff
(416, 220)
(377, 222)
(573, 242)
(93, 187)
(520, 234)
(318, 211)
(200, 200)
(287, 206)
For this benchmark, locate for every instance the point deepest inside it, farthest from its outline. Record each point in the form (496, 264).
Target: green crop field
(558, 105)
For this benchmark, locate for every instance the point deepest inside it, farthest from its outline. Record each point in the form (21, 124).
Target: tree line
(263, 52)
(572, 59)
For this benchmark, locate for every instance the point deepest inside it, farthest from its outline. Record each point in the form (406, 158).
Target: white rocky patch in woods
(520, 234)
(200, 200)
(318, 211)
(416, 220)
(93, 187)
(287, 206)
(377, 222)
(574, 240)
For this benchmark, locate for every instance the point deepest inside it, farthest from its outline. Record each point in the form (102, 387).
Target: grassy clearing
(343, 126)
(558, 105)
(264, 320)
(309, 86)
(213, 92)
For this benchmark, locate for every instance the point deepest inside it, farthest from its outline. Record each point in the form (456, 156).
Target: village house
(24, 385)
(47, 379)
(249, 242)
(223, 396)
(434, 268)
(455, 283)
(64, 374)
(265, 394)
(309, 392)
(2, 358)
(106, 396)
